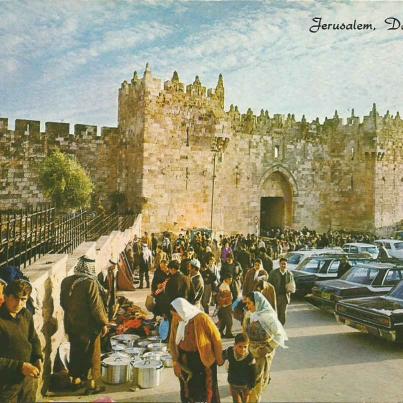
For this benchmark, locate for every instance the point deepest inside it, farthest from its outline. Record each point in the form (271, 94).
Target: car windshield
(294, 258)
(398, 291)
(370, 249)
(312, 265)
(361, 275)
(399, 245)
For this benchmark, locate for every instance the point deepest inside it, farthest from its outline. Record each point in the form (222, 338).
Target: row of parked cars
(368, 297)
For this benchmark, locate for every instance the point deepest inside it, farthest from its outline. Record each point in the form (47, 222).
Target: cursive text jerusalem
(353, 26)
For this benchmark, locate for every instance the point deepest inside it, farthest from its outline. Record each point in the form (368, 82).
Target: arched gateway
(278, 190)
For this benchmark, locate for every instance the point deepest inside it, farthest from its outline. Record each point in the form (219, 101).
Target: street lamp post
(218, 146)
(212, 190)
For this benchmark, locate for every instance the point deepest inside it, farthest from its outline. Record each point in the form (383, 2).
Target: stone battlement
(52, 129)
(249, 122)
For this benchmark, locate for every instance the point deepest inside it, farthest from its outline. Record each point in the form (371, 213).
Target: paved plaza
(324, 362)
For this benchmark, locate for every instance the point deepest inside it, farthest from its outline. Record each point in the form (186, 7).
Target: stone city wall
(22, 150)
(46, 275)
(331, 174)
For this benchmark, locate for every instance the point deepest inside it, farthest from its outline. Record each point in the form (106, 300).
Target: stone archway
(278, 190)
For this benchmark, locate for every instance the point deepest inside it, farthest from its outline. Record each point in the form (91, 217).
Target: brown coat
(84, 310)
(207, 339)
(269, 292)
(249, 283)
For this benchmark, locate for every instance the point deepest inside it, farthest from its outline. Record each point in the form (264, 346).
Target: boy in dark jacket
(241, 369)
(20, 348)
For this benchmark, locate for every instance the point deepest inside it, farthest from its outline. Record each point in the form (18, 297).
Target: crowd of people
(198, 285)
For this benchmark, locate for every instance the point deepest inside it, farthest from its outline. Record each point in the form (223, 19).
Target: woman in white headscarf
(265, 334)
(196, 349)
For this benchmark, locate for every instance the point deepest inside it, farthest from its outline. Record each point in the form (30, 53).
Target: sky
(64, 60)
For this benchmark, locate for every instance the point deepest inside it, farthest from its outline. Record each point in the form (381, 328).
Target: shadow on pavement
(330, 350)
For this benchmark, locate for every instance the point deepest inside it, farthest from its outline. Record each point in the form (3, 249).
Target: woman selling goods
(196, 349)
(265, 333)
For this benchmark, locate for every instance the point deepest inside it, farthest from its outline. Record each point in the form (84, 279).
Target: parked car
(362, 280)
(358, 247)
(321, 268)
(394, 247)
(297, 256)
(381, 316)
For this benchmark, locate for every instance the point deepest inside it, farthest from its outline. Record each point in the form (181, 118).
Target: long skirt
(202, 385)
(264, 358)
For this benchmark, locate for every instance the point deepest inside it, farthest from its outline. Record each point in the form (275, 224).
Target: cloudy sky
(64, 60)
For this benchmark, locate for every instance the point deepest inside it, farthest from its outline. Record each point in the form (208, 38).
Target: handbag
(290, 287)
(150, 302)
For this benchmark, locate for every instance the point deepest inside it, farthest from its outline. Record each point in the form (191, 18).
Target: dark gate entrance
(271, 213)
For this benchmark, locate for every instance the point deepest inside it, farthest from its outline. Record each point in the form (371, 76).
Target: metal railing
(25, 235)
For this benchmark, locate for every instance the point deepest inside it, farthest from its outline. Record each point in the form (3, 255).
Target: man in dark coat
(344, 266)
(244, 258)
(266, 260)
(178, 285)
(85, 321)
(158, 285)
(20, 348)
(233, 268)
(197, 282)
(210, 283)
(283, 282)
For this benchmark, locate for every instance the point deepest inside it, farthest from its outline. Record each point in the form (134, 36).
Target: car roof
(379, 265)
(333, 255)
(358, 244)
(389, 240)
(334, 250)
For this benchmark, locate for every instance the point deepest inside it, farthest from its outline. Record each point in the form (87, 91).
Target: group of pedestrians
(200, 290)
(203, 284)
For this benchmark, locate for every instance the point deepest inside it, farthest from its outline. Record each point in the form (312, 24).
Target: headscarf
(267, 317)
(85, 269)
(187, 312)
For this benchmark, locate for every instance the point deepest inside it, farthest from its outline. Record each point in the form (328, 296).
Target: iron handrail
(25, 235)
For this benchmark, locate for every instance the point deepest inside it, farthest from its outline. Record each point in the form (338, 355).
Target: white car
(359, 247)
(295, 257)
(394, 247)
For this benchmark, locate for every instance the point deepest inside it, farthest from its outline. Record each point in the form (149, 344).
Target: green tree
(65, 182)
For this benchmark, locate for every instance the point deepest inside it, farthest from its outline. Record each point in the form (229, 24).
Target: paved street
(325, 362)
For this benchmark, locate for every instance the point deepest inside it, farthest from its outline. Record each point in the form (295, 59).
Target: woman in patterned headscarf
(265, 333)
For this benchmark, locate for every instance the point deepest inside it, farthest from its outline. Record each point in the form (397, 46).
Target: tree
(65, 182)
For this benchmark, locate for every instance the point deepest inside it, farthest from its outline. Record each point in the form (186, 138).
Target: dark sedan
(380, 316)
(321, 268)
(363, 280)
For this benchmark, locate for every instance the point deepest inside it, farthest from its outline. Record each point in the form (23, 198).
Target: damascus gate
(184, 161)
